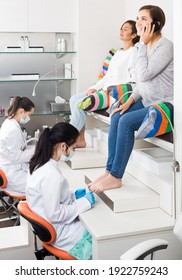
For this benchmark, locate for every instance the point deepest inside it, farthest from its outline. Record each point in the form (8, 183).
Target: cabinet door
(13, 16)
(52, 16)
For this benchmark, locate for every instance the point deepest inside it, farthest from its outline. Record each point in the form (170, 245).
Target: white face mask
(24, 121)
(68, 157)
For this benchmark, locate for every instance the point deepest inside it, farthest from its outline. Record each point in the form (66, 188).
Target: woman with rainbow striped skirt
(120, 70)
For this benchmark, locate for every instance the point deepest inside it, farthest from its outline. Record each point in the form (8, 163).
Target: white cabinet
(37, 16)
(21, 70)
(51, 16)
(13, 15)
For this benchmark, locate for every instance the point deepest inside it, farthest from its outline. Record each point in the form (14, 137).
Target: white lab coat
(48, 195)
(13, 161)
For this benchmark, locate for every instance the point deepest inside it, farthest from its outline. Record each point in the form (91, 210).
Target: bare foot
(107, 183)
(100, 178)
(81, 143)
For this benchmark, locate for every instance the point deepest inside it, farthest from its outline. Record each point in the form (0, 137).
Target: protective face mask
(68, 157)
(23, 121)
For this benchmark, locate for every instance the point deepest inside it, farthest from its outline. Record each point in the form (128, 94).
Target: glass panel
(33, 80)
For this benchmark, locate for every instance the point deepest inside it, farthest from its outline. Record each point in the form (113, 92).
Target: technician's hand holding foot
(80, 193)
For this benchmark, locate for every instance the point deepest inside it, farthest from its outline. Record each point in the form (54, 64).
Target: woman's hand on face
(147, 33)
(90, 91)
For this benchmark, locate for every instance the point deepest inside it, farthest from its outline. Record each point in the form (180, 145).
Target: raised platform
(132, 196)
(87, 158)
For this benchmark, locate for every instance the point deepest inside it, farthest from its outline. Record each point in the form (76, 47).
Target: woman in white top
(121, 70)
(48, 193)
(13, 160)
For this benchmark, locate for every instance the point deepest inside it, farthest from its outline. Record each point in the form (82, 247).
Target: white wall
(98, 31)
(99, 23)
(177, 99)
(132, 7)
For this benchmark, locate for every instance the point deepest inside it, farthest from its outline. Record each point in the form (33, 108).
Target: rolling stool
(11, 202)
(45, 232)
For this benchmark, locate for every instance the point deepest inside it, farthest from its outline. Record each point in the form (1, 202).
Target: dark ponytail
(49, 138)
(20, 102)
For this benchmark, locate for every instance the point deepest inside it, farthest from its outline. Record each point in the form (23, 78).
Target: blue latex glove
(90, 197)
(80, 193)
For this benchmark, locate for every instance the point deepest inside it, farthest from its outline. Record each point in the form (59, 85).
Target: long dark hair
(49, 138)
(134, 30)
(157, 14)
(20, 102)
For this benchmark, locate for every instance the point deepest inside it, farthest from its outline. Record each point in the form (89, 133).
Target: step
(157, 160)
(132, 196)
(90, 134)
(96, 142)
(87, 158)
(102, 133)
(161, 184)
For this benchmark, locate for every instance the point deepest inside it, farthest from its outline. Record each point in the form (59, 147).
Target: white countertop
(103, 223)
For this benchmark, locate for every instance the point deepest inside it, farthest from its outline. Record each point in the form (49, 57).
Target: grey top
(154, 73)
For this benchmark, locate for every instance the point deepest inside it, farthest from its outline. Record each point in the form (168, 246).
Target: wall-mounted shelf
(34, 80)
(45, 52)
(23, 68)
(51, 113)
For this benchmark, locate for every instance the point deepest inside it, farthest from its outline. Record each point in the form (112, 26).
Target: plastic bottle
(22, 43)
(61, 45)
(26, 44)
(37, 133)
(24, 134)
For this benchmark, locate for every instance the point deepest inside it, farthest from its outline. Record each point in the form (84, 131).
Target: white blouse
(121, 69)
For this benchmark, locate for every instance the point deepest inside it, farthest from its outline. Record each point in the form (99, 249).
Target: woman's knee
(124, 122)
(76, 99)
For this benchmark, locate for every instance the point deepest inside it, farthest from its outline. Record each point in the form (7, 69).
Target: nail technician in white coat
(48, 193)
(14, 161)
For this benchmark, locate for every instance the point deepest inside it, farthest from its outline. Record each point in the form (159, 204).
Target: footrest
(87, 158)
(133, 195)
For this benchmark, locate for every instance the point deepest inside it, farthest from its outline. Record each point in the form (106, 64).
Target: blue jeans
(122, 136)
(78, 116)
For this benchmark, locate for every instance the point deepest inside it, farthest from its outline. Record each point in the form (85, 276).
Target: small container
(37, 133)
(26, 44)
(22, 43)
(67, 70)
(59, 107)
(61, 45)
(24, 134)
